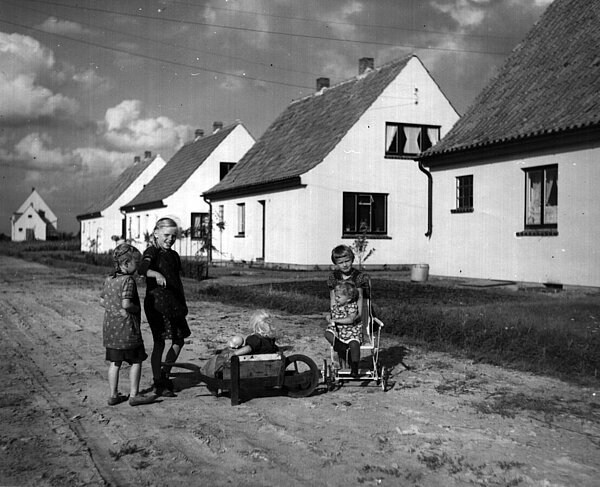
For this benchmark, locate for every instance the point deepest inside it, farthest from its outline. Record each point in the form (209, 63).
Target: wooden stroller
(335, 372)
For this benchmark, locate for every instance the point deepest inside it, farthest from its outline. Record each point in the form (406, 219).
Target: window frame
(198, 233)
(397, 154)
(543, 228)
(224, 168)
(241, 220)
(464, 194)
(359, 200)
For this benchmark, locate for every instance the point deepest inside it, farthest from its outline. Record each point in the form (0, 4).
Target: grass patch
(552, 333)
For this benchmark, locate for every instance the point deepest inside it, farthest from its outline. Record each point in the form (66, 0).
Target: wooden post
(235, 380)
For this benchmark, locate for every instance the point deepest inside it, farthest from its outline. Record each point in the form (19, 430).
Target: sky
(85, 86)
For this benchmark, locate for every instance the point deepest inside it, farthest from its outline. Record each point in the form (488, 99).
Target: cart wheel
(301, 376)
(384, 378)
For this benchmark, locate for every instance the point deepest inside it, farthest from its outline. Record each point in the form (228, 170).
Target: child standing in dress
(164, 303)
(122, 335)
(342, 257)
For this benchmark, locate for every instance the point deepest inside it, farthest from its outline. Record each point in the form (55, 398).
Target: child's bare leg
(135, 398)
(113, 378)
(173, 354)
(354, 356)
(135, 374)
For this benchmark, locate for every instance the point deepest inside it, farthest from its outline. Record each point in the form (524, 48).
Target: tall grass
(533, 331)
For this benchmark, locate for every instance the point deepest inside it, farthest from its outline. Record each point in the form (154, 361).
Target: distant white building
(103, 223)
(34, 220)
(176, 190)
(334, 163)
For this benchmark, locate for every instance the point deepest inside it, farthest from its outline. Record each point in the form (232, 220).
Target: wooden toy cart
(297, 375)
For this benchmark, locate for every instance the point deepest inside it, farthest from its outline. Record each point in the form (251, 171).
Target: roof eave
(151, 205)
(257, 188)
(532, 142)
(89, 216)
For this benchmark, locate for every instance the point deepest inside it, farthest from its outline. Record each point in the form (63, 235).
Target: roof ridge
(368, 72)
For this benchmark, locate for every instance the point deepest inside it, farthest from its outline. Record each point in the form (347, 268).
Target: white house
(103, 223)
(34, 220)
(176, 190)
(334, 164)
(516, 180)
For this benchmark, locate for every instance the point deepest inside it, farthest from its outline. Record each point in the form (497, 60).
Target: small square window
(464, 194)
(224, 168)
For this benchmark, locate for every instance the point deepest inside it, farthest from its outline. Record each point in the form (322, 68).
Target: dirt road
(445, 422)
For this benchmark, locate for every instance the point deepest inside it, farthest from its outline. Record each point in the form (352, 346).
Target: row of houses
(505, 192)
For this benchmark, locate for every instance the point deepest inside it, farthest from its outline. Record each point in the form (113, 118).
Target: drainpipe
(210, 225)
(429, 199)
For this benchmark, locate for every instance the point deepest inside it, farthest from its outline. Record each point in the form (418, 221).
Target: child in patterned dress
(342, 257)
(121, 330)
(344, 331)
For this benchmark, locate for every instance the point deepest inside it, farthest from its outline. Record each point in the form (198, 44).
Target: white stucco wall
(187, 199)
(483, 244)
(303, 225)
(97, 233)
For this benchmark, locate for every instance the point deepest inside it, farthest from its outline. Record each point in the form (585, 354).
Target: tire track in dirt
(427, 430)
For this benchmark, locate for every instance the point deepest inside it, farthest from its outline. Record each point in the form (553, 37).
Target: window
(364, 212)
(464, 194)
(224, 168)
(138, 227)
(241, 209)
(541, 197)
(199, 226)
(408, 140)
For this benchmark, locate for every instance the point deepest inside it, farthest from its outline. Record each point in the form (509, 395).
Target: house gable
(178, 170)
(309, 129)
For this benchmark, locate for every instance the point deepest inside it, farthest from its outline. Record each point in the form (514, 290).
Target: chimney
(198, 134)
(365, 63)
(322, 83)
(136, 159)
(217, 126)
(148, 154)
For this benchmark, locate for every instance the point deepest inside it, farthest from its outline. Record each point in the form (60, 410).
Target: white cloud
(127, 130)
(35, 152)
(91, 80)
(467, 13)
(66, 27)
(24, 60)
(95, 159)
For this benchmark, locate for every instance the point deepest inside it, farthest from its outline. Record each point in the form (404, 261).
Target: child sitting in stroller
(344, 331)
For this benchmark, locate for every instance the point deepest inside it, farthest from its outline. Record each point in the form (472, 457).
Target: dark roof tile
(549, 83)
(308, 129)
(180, 168)
(122, 182)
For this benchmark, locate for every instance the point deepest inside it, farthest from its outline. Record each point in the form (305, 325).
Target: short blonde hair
(260, 321)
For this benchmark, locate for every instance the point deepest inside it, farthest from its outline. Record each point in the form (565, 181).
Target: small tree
(360, 247)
